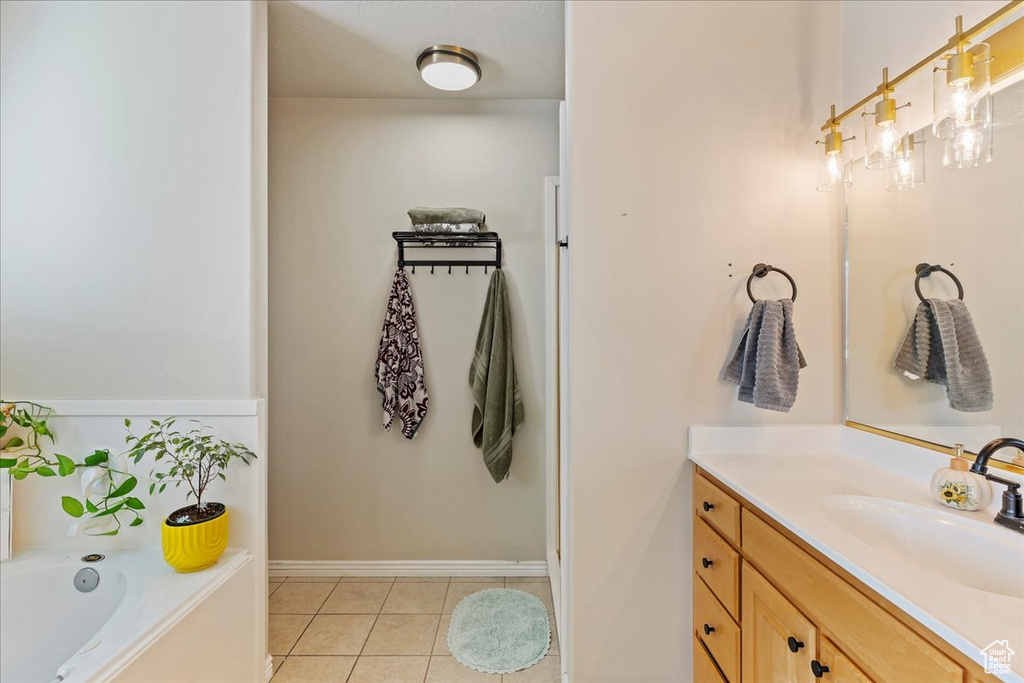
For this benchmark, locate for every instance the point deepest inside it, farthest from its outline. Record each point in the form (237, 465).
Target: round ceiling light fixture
(449, 67)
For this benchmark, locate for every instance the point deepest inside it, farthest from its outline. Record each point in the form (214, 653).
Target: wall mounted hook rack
(449, 240)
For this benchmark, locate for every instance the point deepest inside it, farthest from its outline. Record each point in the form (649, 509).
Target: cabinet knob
(705, 562)
(708, 507)
(818, 669)
(794, 644)
(708, 629)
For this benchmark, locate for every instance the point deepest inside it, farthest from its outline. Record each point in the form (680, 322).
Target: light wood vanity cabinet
(768, 609)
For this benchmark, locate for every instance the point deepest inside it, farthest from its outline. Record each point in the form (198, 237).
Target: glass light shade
(970, 148)
(834, 171)
(908, 174)
(884, 133)
(449, 75)
(962, 92)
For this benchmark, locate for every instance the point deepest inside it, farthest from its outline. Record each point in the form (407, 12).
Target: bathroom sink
(972, 553)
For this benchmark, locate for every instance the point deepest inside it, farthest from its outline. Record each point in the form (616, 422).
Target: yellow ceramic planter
(192, 547)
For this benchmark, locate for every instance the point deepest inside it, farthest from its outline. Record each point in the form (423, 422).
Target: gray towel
(942, 346)
(446, 227)
(497, 403)
(767, 360)
(422, 214)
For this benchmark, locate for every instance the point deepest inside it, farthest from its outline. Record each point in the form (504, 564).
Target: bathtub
(51, 632)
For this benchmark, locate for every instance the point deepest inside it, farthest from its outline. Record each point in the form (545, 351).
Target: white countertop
(787, 480)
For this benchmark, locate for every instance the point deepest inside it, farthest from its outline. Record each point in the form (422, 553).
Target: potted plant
(194, 536)
(106, 485)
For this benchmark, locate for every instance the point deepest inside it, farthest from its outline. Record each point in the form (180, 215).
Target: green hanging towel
(497, 403)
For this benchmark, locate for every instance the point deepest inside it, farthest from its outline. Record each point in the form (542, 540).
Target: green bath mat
(499, 631)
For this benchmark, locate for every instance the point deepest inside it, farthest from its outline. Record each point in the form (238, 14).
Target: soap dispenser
(957, 487)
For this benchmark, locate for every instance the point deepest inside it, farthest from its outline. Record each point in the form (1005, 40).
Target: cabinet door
(779, 643)
(835, 667)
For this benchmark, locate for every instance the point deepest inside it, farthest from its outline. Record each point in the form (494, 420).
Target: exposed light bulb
(835, 169)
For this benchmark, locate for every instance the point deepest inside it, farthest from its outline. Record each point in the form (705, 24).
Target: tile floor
(384, 630)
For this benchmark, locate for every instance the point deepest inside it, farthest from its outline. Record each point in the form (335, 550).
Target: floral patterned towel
(400, 374)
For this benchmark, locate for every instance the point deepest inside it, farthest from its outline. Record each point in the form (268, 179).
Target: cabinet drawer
(718, 564)
(885, 648)
(717, 508)
(704, 670)
(840, 668)
(717, 630)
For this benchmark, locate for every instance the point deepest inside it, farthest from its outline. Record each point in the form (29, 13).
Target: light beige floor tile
(277, 662)
(390, 670)
(299, 598)
(447, 670)
(477, 579)
(315, 670)
(527, 579)
(356, 598)
(369, 579)
(416, 598)
(441, 641)
(547, 670)
(285, 630)
(423, 579)
(402, 634)
(312, 579)
(457, 591)
(272, 586)
(541, 590)
(334, 634)
(554, 637)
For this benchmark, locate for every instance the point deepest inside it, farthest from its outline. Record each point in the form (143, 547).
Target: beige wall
(691, 147)
(342, 175)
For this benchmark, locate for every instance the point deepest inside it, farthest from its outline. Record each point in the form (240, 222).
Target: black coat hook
(431, 270)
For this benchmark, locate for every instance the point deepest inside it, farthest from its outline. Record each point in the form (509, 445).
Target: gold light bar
(958, 39)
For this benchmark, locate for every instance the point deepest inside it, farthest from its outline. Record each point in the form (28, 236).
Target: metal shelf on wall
(448, 240)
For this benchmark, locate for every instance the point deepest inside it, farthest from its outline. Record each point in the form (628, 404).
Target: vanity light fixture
(908, 174)
(962, 88)
(449, 67)
(883, 130)
(835, 170)
(963, 103)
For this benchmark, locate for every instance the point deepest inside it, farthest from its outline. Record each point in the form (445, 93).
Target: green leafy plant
(23, 434)
(193, 458)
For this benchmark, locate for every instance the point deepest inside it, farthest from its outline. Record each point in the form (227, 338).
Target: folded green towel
(422, 214)
(497, 403)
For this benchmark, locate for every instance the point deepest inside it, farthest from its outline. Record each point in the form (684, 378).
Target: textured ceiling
(368, 48)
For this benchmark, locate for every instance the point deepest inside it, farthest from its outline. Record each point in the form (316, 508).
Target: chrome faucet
(1012, 513)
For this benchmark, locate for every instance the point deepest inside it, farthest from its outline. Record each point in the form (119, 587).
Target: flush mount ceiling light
(449, 67)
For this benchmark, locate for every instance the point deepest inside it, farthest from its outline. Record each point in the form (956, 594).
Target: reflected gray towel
(942, 346)
(422, 214)
(767, 361)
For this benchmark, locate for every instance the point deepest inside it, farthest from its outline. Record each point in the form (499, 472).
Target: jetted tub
(51, 632)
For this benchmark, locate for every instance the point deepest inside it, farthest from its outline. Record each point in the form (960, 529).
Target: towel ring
(926, 269)
(762, 269)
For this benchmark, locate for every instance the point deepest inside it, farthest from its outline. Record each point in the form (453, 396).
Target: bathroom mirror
(970, 222)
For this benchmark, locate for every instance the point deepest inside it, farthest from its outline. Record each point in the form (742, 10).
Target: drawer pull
(794, 644)
(708, 629)
(705, 562)
(818, 669)
(708, 507)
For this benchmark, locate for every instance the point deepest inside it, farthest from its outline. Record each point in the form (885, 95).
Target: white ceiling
(368, 48)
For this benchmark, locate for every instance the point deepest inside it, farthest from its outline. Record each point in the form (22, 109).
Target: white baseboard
(270, 667)
(282, 568)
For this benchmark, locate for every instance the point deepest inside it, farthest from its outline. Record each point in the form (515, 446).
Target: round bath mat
(499, 631)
